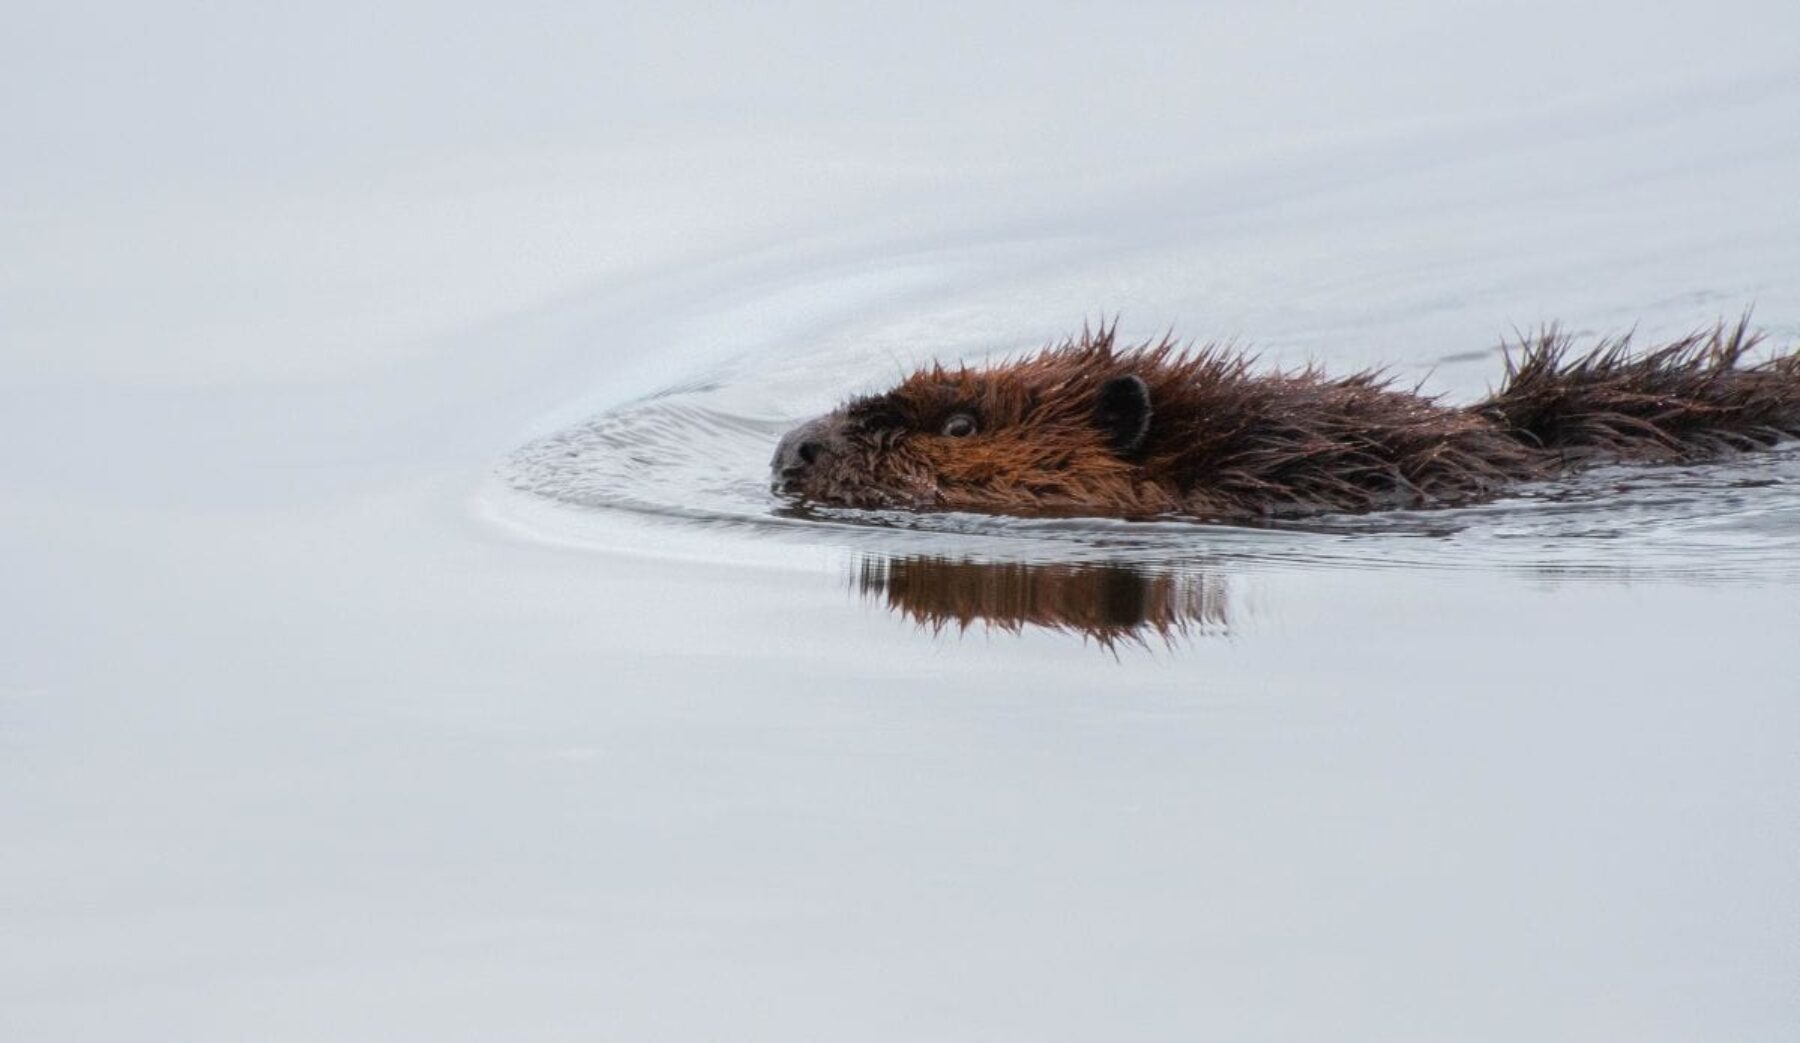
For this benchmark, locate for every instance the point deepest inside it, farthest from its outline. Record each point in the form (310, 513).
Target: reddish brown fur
(1227, 442)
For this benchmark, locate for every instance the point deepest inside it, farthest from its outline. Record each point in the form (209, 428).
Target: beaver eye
(962, 425)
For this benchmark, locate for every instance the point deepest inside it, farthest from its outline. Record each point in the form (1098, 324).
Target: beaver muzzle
(803, 449)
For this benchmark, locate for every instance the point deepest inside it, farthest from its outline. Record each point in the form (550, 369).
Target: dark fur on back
(1156, 430)
(1236, 442)
(1686, 400)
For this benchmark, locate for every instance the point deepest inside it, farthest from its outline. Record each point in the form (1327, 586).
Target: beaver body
(1086, 428)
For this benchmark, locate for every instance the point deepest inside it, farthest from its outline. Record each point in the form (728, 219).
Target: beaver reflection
(1108, 603)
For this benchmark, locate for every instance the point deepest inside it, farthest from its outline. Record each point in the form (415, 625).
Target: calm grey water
(403, 643)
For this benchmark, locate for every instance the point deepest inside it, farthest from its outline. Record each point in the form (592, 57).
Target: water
(404, 644)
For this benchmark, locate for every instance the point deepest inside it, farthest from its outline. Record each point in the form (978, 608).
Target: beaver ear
(1123, 412)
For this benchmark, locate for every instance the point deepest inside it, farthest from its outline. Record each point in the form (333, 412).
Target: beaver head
(1064, 431)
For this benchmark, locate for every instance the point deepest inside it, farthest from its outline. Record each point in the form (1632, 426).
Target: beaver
(1159, 429)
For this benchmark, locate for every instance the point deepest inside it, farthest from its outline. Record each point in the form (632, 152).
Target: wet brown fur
(1227, 441)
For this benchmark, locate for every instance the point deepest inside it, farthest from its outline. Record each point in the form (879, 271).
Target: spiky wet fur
(1228, 441)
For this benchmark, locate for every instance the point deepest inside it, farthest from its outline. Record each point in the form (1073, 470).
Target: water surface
(403, 642)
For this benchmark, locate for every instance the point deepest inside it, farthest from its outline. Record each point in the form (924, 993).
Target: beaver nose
(801, 448)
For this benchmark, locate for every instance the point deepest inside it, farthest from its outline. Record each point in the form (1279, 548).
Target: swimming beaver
(1162, 430)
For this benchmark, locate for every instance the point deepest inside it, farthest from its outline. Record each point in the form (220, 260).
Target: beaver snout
(802, 449)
